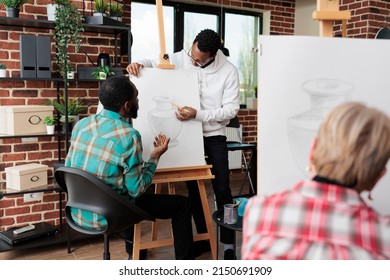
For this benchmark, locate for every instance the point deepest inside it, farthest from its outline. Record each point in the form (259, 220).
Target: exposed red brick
(13, 157)
(7, 203)
(29, 218)
(26, 147)
(51, 215)
(42, 207)
(39, 155)
(6, 222)
(17, 211)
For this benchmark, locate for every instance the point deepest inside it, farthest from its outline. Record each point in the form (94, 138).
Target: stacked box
(26, 176)
(24, 119)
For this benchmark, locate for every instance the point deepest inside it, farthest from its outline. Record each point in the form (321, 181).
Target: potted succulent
(116, 11)
(68, 27)
(3, 70)
(101, 8)
(50, 122)
(102, 72)
(75, 106)
(13, 6)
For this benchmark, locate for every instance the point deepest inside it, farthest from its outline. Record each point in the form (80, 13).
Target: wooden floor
(92, 248)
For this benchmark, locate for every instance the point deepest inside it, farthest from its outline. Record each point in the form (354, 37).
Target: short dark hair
(115, 91)
(208, 41)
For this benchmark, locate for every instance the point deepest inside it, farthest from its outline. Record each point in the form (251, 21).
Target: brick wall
(367, 17)
(282, 12)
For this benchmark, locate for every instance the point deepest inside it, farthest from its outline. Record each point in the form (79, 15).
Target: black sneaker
(200, 247)
(229, 255)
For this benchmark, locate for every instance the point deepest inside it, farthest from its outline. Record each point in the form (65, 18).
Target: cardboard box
(24, 119)
(26, 176)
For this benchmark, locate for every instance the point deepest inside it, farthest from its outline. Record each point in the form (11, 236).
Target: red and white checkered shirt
(314, 221)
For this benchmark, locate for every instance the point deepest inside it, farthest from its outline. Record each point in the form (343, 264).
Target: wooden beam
(327, 12)
(332, 15)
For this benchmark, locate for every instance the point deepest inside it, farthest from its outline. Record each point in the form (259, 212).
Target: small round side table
(218, 219)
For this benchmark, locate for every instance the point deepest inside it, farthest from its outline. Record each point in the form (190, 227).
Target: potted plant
(70, 73)
(51, 8)
(75, 106)
(101, 8)
(3, 71)
(50, 122)
(67, 29)
(12, 6)
(116, 11)
(102, 72)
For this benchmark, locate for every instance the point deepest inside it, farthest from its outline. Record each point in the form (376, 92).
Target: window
(144, 28)
(243, 29)
(239, 31)
(194, 23)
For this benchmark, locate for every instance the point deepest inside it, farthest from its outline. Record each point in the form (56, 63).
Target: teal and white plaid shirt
(108, 146)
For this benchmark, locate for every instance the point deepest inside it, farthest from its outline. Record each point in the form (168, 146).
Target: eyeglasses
(198, 63)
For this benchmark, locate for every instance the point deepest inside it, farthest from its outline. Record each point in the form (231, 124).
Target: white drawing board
(300, 80)
(159, 90)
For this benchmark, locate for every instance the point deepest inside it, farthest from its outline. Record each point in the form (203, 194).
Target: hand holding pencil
(184, 113)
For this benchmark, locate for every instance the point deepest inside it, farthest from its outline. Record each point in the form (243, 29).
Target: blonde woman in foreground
(325, 218)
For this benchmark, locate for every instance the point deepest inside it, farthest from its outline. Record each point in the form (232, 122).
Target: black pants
(217, 155)
(175, 207)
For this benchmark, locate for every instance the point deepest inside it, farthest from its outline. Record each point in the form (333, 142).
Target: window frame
(180, 8)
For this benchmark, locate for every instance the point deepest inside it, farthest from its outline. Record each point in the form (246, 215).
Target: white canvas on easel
(293, 69)
(177, 87)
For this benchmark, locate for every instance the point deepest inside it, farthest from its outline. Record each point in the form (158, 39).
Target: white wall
(304, 24)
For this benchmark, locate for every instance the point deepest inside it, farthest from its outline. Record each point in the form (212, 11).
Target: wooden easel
(327, 12)
(174, 175)
(164, 58)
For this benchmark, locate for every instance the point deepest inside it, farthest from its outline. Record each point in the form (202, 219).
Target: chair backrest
(383, 33)
(235, 124)
(87, 192)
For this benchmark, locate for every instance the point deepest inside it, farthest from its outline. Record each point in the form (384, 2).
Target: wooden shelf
(5, 136)
(60, 237)
(31, 79)
(47, 24)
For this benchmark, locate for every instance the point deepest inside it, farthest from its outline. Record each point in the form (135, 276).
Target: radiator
(235, 158)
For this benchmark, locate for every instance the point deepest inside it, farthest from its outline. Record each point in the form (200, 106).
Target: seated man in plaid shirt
(107, 146)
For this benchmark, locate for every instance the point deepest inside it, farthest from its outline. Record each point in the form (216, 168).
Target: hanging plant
(68, 29)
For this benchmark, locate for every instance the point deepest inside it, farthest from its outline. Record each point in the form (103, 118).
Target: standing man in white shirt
(219, 102)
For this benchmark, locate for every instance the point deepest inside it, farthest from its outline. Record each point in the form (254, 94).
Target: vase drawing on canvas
(162, 119)
(325, 94)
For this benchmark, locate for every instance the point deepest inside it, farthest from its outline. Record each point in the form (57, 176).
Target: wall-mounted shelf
(47, 24)
(5, 136)
(30, 79)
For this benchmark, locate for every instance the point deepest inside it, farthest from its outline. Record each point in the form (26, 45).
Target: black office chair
(239, 146)
(86, 191)
(383, 33)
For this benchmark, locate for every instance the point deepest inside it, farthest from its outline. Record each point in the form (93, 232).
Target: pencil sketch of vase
(325, 94)
(162, 119)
